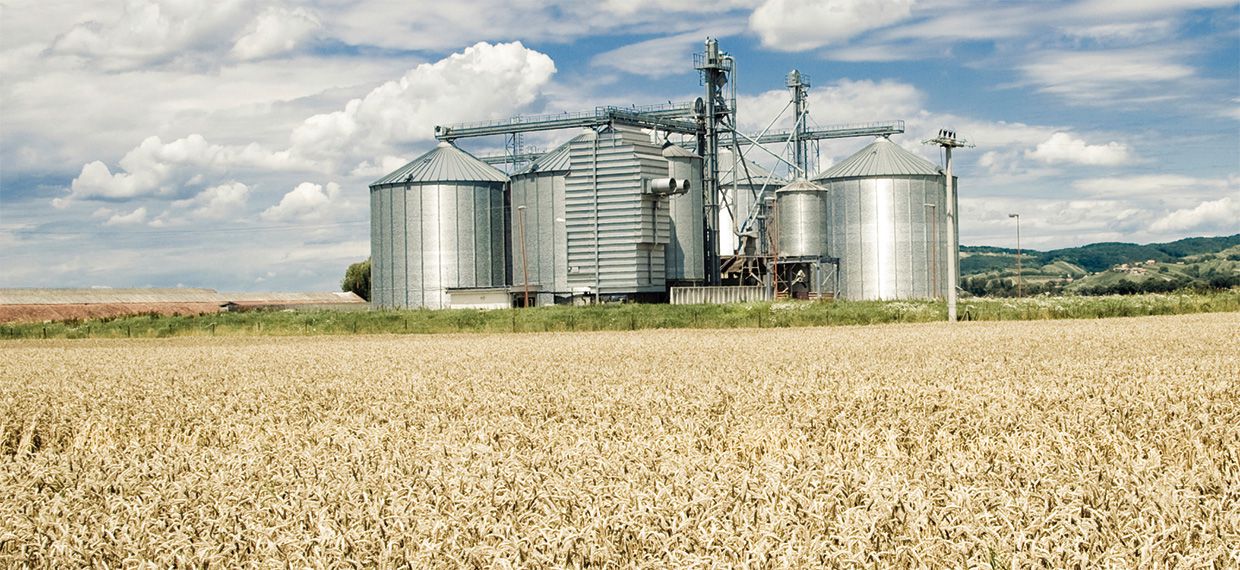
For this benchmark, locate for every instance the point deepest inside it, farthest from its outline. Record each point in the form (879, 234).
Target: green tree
(357, 279)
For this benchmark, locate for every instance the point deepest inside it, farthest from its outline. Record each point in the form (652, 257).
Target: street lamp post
(525, 268)
(1020, 292)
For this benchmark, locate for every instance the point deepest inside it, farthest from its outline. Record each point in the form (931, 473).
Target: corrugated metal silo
(801, 219)
(441, 223)
(617, 232)
(886, 223)
(540, 188)
(686, 250)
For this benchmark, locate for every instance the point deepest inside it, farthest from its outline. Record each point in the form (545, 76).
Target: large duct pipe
(669, 186)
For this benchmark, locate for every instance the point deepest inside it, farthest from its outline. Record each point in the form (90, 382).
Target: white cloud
(1222, 215)
(135, 217)
(217, 202)
(1151, 185)
(259, 101)
(796, 25)
(421, 25)
(158, 32)
(842, 101)
(307, 202)
(158, 168)
(1064, 148)
(663, 56)
(1107, 77)
(1139, 208)
(276, 31)
(1138, 8)
(961, 21)
(377, 168)
(1123, 32)
(484, 81)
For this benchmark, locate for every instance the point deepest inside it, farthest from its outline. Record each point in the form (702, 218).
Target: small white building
(480, 297)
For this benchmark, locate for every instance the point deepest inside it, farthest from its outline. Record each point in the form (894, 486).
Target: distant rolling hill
(1104, 268)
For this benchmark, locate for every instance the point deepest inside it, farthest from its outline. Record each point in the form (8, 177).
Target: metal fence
(718, 295)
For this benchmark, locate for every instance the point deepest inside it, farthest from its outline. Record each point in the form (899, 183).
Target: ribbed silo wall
(801, 222)
(890, 234)
(379, 276)
(617, 233)
(430, 237)
(686, 248)
(546, 235)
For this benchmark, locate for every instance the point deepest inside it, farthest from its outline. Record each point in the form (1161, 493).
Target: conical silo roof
(677, 151)
(743, 166)
(881, 158)
(801, 185)
(556, 160)
(445, 163)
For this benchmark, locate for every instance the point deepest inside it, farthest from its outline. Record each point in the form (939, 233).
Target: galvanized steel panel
(718, 295)
(686, 248)
(610, 221)
(885, 236)
(376, 247)
(412, 296)
(500, 267)
(880, 158)
(400, 249)
(801, 219)
(445, 163)
(466, 239)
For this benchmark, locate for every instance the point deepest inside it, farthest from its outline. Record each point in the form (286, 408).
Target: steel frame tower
(799, 84)
(715, 67)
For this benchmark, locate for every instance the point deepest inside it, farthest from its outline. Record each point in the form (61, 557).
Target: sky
(229, 144)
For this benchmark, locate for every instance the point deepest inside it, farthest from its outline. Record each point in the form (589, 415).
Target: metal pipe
(594, 181)
(525, 268)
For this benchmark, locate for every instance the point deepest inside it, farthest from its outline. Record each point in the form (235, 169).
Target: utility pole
(947, 139)
(1020, 292)
(525, 268)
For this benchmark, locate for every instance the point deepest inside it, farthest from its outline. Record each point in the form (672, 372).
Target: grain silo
(438, 222)
(540, 188)
(801, 220)
(617, 228)
(886, 224)
(686, 248)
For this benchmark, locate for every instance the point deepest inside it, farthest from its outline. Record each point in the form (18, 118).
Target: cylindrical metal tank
(886, 223)
(800, 219)
(437, 223)
(686, 250)
(540, 188)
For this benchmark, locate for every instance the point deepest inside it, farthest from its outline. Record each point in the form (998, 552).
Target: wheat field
(1063, 444)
